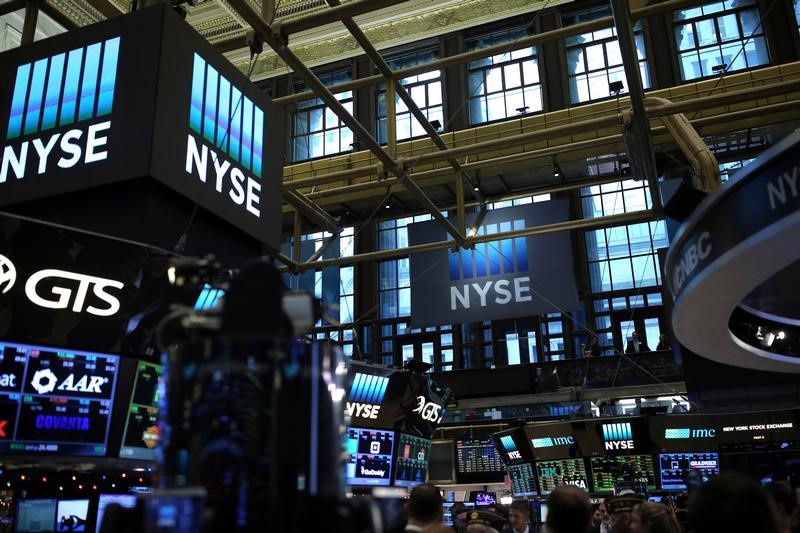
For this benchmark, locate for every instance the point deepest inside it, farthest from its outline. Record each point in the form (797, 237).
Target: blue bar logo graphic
(70, 87)
(612, 432)
(209, 298)
(508, 443)
(223, 116)
(492, 258)
(677, 433)
(368, 388)
(543, 442)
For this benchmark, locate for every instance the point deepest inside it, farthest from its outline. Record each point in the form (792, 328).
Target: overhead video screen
(553, 474)
(478, 461)
(411, 467)
(607, 472)
(370, 453)
(678, 469)
(142, 433)
(523, 480)
(54, 400)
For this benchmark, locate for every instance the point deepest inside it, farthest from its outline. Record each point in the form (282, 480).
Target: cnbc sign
(59, 111)
(498, 278)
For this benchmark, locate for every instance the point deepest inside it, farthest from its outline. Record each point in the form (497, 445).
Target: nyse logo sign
(690, 433)
(44, 381)
(55, 92)
(366, 395)
(511, 447)
(67, 290)
(429, 411)
(618, 436)
(496, 258)
(229, 134)
(549, 442)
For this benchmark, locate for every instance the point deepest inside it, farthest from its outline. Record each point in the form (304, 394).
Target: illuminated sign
(548, 442)
(44, 381)
(227, 123)
(3, 424)
(690, 433)
(366, 395)
(55, 92)
(69, 423)
(429, 411)
(511, 447)
(209, 298)
(618, 436)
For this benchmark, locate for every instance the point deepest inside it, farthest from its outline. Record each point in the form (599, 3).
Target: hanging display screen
(142, 433)
(478, 461)
(553, 474)
(370, 454)
(678, 469)
(523, 481)
(607, 472)
(411, 467)
(55, 401)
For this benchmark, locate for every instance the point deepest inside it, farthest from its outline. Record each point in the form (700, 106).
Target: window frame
(307, 107)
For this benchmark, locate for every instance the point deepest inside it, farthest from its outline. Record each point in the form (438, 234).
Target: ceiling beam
(334, 14)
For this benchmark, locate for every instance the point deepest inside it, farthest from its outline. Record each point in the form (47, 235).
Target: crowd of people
(730, 503)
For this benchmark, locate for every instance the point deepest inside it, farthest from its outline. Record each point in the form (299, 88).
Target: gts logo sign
(429, 411)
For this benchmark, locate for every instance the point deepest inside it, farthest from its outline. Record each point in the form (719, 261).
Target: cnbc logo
(55, 92)
(505, 258)
(690, 433)
(618, 436)
(549, 442)
(511, 447)
(366, 395)
(225, 146)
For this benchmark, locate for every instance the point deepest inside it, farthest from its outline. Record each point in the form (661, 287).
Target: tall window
(719, 37)
(426, 91)
(317, 130)
(727, 170)
(504, 85)
(594, 60)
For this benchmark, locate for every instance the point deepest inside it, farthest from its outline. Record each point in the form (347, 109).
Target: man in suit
(424, 507)
(635, 345)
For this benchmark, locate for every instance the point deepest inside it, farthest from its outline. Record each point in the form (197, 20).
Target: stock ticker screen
(607, 472)
(412, 460)
(142, 433)
(676, 468)
(55, 401)
(478, 461)
(370, 452)
(523, 480)
(555, 473)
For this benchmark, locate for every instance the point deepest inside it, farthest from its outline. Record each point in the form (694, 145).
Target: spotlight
(522, 110)
(477, 186)
(557, 173)
(719, 68)
(436, 125)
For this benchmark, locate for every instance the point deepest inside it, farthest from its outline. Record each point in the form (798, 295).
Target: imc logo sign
(505, 258)
(366, 395)
(618, 436)
(690, 433)
(227, 145)
(511, 447)
(549, 442)
(56, 92)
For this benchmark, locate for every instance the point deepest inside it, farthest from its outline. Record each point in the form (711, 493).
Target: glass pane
(388, 275)
(403, 273)
(706, 32)
(756, 52)
(435, 94)
(533, 98)
(751, 22)
(617, 238)
(728, 27)
(651, 332)
(475, 83)
(332, 142)
(598, 85)
(627, 328)
(555, 328)
(315, 117)
(532, 353)
(496, 106)
(427, 352)
(684, 37)
(514, 102)
(447, 339)
(621, 275)
(408, 352)
(598, 273)
(404, 302)
(579, 89)
(494, 80)
(575, 61)
(477, 110)
(513, 76)
(512, 348)
(447, 356)
(594, 57)
(331, 120)
(530, 72)
(613, 53)
(690, 66)
(644, 271)
(388, 304)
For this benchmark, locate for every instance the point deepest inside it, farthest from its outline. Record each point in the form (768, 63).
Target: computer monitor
(128, 501)
(523, 480)
(482, 499)
(142, 434)
(608, 472)
(411, 465)
(679, 469)
(34, 516)
(370, 452)
(555, 473)
(478, 461)
(72, 515)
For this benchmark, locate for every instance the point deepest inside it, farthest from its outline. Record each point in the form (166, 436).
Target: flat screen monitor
(441, 466)
(559, 472)
(513, 446)
(523, 480)
(127, 501)
(608, 472)
(72, 515)
(543, 513)
(478, 461)
(55, 401)
(370, 452)
(483, 499)
(411, 467)
(679, 468)
(36, 515)
(174, 512)
(447, 508)
(142, 433)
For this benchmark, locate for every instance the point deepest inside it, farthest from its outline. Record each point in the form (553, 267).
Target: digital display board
(553, 474)
(72, 515)
(552, 441)
(126, 501)
(685, 433)
(523, 480)
(142, 433)
(676, 467)
(411, 467)
(513, 446)
(620, 436)
(55, 401)
(758, 427)
(441, 465)
(478, 461)
(607, 472)
(35, 515)
(370, 453)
